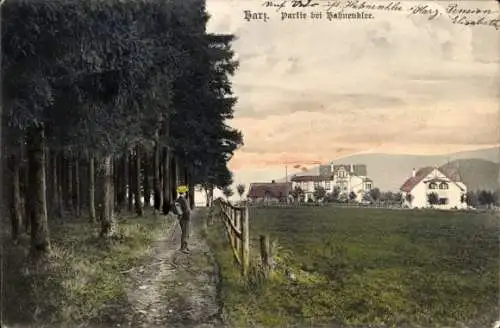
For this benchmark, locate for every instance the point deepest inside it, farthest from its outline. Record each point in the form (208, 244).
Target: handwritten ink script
(458, 13)
(473, 16)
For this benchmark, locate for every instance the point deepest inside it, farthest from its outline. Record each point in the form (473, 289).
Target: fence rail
(235, 220)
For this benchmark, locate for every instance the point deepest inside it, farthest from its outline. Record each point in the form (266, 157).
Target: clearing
(341, 267)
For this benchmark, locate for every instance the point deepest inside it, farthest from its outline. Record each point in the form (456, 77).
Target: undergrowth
(82, 275)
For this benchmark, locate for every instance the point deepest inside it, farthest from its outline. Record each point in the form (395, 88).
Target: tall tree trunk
(130, 179)
(106, 209)
(69, 185)
(117, 171)
(64, 181)
(175, 179)
(211, 195)
(157, 183)
(166, 181)
(146, 180)
(15, 197)
(40, 241)
(174, 176)
(190, 184)
(49, 180)
(176, 173)
(28, 207)
(122, 197)
(137, 181)
(60, 183)
(116, 184)
(76, 188)
(208, 194)
(55, 209)
(91, 172)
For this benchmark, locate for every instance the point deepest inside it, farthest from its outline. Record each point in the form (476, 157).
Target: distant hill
(476, 173)
(478, 168)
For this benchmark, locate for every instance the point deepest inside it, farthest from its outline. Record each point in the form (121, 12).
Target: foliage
(375, 194)
(98, 79)
(409, 198)
(103, 77)
(240, 188)
(297, 193)
(486, 197)
(397, 197)
(335, 193)
(227, 192)
(319, 193)
(352, 196)
(432, 198)
(129, 68)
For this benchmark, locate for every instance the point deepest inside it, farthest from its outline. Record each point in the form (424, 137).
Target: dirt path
(175, 289)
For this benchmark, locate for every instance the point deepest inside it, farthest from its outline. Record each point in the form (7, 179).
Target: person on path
(184, 215)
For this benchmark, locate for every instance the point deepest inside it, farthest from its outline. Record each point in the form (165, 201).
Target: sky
(316, 90)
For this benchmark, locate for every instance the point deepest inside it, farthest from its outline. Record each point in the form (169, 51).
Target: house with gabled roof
(449, 190)
(346, 178)
(269, 192)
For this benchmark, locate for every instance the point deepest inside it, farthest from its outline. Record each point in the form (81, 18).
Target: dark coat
(186, 211)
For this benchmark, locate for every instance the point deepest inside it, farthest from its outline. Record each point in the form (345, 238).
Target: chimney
(413, 172)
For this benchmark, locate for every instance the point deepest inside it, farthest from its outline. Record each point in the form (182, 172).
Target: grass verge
(365, 267)
(83, 275)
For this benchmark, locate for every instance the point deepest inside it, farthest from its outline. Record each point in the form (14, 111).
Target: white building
(447, 186)
(347, 178)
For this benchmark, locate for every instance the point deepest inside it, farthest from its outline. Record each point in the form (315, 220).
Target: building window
(443, 185)
(316, 184)
(327, 185)
(443, 201)
(432, 185)
(368, 186)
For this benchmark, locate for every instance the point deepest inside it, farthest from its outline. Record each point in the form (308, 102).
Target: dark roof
(422, 173)
(308, 178)
(451, 172)
(346, 167)
(413, 181)
(352, 169)
(276, 190)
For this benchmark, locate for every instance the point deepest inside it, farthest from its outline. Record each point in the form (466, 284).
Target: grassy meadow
(82, 284)
(358, 267)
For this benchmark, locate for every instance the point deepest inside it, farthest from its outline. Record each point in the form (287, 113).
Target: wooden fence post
(264, 254)
(233, 216)
(241, 213)
(245, 242)
(237, 218)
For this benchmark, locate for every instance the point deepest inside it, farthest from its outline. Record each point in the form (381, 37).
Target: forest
(106, 104)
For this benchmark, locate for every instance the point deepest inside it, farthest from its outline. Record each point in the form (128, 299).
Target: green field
(393, 268)
(82, 284)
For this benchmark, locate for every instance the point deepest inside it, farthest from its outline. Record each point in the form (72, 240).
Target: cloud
(396, 83)
(321, 133)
